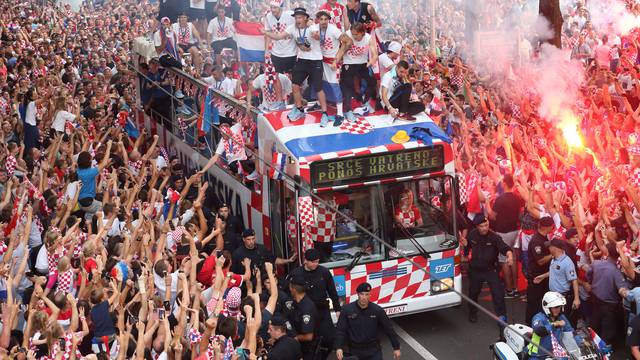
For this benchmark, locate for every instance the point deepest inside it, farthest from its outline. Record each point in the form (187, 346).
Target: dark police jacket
(318, 284)
(484, 250)
(358, 327)
(285, 348)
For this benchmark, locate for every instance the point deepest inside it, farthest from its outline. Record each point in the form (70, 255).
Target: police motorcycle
(579, 344)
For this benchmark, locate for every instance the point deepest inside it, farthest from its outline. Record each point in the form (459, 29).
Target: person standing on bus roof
(359, 52)
(283, 52)
(329, 36)
(362, 12)
(358, 326)
(338, 14)
(485, 245)
(320, 286)
(309, 62)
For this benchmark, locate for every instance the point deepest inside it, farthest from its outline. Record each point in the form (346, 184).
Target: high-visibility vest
(533, 346)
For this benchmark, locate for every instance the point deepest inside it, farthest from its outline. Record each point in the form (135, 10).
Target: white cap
(395, 47)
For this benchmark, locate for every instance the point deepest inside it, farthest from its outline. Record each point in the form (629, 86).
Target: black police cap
(248, 232)
(312, 255)
(364, 287)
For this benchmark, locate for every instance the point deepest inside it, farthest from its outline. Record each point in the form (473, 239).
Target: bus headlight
(442, 285)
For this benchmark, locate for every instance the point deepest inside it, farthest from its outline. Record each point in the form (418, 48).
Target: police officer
(547, 325)
(284, 347)
(485, 246)
(319, 285)
(562, 277)
(539, 259)
(303, 317)
(358, 327)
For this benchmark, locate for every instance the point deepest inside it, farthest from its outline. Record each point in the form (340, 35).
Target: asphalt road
(447, 334)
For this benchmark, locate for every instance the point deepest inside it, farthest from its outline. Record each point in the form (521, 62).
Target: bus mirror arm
(355, 260)
(413, 240)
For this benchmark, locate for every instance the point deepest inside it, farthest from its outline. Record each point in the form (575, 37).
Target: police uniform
(318, 284)
(285, 347)
(303, 318)
(537, 251)
(562, 273)
(358, 328)
(483, 265)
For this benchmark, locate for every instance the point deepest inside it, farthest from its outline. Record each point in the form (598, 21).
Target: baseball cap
(312, 255)
(297, 280)
(278, 320)
(364, 287)
(248, 232)
(479, 219)
(395, 47)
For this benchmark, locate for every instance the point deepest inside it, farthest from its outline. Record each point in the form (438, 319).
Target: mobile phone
(161, 314)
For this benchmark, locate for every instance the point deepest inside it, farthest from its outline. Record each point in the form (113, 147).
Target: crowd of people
(111, 248)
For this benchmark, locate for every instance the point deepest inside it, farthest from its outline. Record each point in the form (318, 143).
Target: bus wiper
(414, 241)
(355, 260)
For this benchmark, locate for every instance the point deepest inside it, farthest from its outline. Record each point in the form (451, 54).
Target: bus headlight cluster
(441, 285)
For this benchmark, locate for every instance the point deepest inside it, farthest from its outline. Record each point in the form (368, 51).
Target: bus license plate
(394, 310)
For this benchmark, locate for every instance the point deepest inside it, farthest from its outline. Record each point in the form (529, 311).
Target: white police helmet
(552, 299)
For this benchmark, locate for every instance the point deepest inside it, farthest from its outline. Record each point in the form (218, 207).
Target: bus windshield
(422, 216)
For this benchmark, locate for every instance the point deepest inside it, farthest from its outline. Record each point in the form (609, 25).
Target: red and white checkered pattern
(335, 12)
(600, 184)
(11, 165)
(305, 212)
(408, 217)
(467, 184)
(412, 283)
(356, 51)
(361, 126)
(65, 280)
(635, 178)
(323, 229)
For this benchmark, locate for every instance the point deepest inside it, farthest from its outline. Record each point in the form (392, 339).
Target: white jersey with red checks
(330, 41)
(408, 217)
(336, 11)
(324, 228)
(358, 53)
(281, 48)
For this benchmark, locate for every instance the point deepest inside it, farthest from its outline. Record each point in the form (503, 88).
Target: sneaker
(183, 110)
(324, 121)
(511, 294)
(473, 317)
(407, 117)
(364, 110)
(348, 116)
(179, 94)
(337, 120)
(315, 106)
(295, 114)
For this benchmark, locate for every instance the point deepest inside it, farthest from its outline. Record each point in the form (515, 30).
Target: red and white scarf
(233, 143)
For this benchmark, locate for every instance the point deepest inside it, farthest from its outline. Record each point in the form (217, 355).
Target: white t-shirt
(30, 116)
(221, 29)
(330, 41)
(185, 35)
(215, 84)
(303, 36)
(286, 47)
(157, 40)
(197, 4)
(391, 83)
(228, 86)
(232, 156)
(60, 119)
(161, 162)
(260, 81)
(386, 64)
(358, 53)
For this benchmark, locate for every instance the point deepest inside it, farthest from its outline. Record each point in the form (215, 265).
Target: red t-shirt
(207, 274)
(410, 217)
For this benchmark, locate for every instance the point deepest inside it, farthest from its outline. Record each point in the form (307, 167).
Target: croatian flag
(250, 41)
(279, 162)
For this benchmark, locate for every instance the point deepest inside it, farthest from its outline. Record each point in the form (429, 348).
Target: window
(422, 215)
(343, 242)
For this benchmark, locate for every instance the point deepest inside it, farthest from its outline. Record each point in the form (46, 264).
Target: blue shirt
(561, 273)
(88, 178)
(605, 280)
